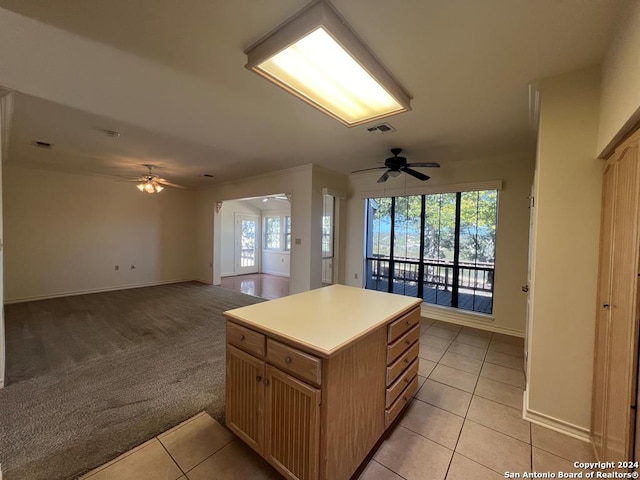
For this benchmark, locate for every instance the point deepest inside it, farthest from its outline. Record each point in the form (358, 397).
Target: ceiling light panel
(315, 56)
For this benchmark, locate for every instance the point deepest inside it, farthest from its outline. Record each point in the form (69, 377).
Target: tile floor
(464, 423)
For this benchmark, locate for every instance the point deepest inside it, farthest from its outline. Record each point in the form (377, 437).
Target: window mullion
(392, 241)
(456, 254)
(421, 255)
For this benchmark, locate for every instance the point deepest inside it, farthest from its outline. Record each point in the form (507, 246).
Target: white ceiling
(467, 64)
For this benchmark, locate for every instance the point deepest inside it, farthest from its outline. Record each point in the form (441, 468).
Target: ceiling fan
(152, 183)
(396, 165)
(275, 197)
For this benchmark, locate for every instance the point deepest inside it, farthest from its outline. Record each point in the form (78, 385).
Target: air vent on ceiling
(41, 144)
(381, 128)
(112, 133)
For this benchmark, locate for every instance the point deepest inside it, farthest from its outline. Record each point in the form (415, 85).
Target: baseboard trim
(95, 290)
(475, 320)
(228, 274)
(553, 423)
(277, 274)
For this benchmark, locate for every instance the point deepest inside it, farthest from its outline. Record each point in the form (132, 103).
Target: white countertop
(325, 319)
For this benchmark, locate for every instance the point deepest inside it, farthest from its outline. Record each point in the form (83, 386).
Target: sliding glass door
(438, 247)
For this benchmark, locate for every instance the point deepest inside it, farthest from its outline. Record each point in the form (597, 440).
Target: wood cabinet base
(318, 417)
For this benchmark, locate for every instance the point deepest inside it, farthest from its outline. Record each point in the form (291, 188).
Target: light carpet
(77, 414)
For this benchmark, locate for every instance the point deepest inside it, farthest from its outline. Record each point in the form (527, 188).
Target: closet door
(622, 334)
(603, 317)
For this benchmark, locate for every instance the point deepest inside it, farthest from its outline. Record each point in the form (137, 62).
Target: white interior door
(328, 238)
(247, 244)
(529, 286)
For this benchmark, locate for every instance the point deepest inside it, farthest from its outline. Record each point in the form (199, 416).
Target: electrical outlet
(355, 275)
(298, 241)
(133, 267)
(116, 268)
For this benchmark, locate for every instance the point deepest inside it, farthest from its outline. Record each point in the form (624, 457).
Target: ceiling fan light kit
(150, 187)
(318, 58)
(152, 183)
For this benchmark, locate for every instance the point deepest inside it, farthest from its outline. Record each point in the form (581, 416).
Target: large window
(277, 232)
(439, 247)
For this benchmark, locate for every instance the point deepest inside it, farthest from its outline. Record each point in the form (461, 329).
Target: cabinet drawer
(299, 364)
(396, 368)
(246, 339)
(403, 343)
(393, 392)
(404, 323)
(390, 414)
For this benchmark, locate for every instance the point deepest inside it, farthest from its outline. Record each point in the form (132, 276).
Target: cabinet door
(622, 328)
(293, 425)
(603, 317)
(244, 413)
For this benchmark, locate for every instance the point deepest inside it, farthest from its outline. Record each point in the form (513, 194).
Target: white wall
(620, 97)
(338, 185)
(227, 233)
(516, 172)
(296, 181)
(565, 267)
(65, 233)
(305, 185)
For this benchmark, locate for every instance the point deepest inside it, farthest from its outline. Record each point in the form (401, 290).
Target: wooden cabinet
(245, 397)
(314, 413)
(262, 399)
(402, 364)
(292, 425)
(616, 341)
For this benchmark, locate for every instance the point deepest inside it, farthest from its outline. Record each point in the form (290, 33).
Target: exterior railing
(436, 274)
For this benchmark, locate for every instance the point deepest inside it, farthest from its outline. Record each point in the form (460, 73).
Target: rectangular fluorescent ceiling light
(315, 56)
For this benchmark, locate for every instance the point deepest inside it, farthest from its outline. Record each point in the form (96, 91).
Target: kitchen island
(313, 380)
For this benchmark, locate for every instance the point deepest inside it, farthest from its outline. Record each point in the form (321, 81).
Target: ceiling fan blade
(384, 177)
(415, 173)
(162, 181)
(424, 164)
(368, 169)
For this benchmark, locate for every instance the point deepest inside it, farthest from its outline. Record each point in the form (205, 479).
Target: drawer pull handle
(406, 360)
(258, 378)
(408, 322)
(287, 360)
(407, 342)
(405, 399)
(407, 380)
(242, 338)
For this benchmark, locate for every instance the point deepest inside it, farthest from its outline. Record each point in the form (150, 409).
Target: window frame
(375, 262)
(283, 234)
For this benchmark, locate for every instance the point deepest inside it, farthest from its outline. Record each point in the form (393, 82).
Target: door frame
(238, 218)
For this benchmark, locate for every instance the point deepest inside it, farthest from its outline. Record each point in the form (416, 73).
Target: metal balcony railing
(467, 285)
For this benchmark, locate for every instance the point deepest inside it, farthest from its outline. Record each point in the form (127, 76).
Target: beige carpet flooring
(92, 376)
